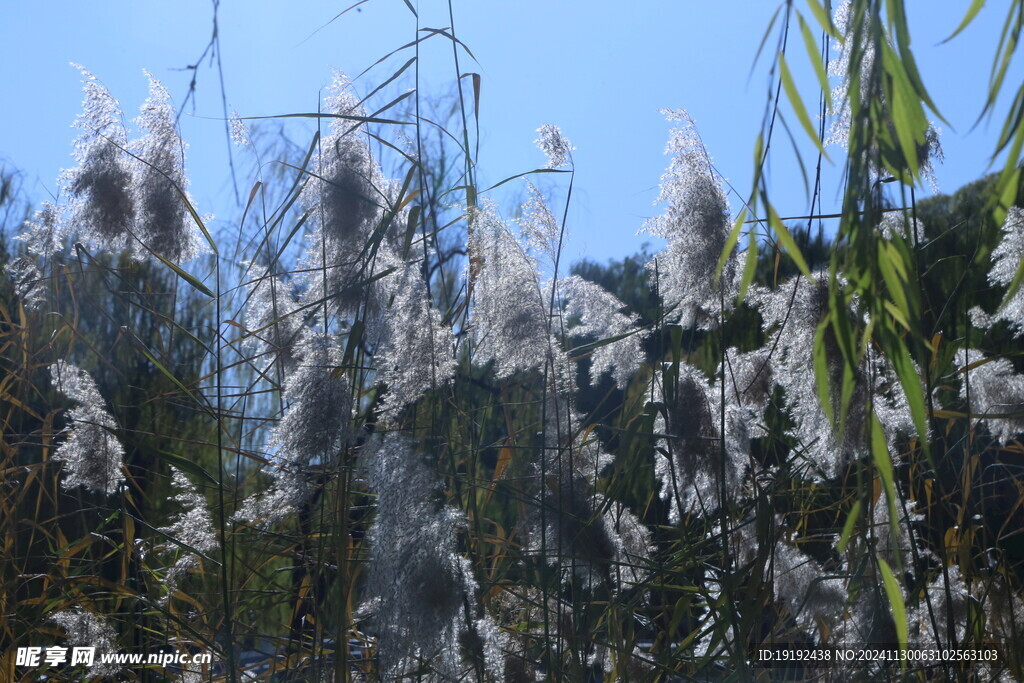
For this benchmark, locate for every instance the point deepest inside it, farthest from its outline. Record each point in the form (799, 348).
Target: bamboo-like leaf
(785, 238)
(824, 20)
(355, 336)
(325, 115)
(894, 594)
(764, 38)
(521, 175)
(883, 465)
(907, 117)
(390, 79)
(821, 374)
(972, 12)
(851, 522)
(730, 243)
(180, 272)
(798, 105)
(749, 267)
(590, 346)
(814, 54)
(894, 275)
(167, 373)
(899, 356)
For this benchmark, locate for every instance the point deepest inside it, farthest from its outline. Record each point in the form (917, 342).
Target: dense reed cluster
(334, 446)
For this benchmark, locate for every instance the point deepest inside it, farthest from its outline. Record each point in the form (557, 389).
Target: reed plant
(381, 430)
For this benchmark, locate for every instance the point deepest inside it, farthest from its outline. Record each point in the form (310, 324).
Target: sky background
(600, 70)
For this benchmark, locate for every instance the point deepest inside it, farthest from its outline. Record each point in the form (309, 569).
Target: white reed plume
(418, 584)
(416, 350)
(922, 628)
(101, 207)
(91, 455)
(510, 316)
(540, 229)
(689, 463)
(164, 223)
(595, 541)
(343, 197)
(1006, 259)
(791, 315)
(274, 319)
(696, 225)
(555, 146)
(993, 389)
(43, 235)
(192, 526)
(84, 628)
(317, 419)
(28, 281)
(898, 223)
(593, 312)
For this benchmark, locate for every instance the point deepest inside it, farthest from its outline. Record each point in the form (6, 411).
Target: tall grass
(381, 431)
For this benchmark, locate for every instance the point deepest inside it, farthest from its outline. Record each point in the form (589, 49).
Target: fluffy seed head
(84, 628)
(510, 317)
(192, 526)
(102, 200)
(43, 235)
(91, 455)
(1006, 259)
(993, 388)
(29, 282)
(415, 351)
(556, 147)
(318, 414)
(164, 223)
(696, 225)
(597, 313)
(418, 581)
(689, 471)
(538, 225)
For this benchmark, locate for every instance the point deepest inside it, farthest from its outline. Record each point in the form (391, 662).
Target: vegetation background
(380, 428)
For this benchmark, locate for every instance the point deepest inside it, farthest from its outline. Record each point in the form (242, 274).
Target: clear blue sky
(601, 70)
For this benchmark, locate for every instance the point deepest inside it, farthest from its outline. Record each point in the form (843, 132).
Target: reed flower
(540, 229)
(791, 315)
(317, 419)
(415, 351)
(555, 146)
(192, 526)
(28, 281)
(84, 628)
(994, 390)
(343, 198)
(239, 131)
(696, 225)
(160, 186)
(43, 235)
(692, 455)
(593, 312)
(595, 541)
(811, 596)
(91, 455)
(896, 223)
(274, 320)
(418, 582)
(1006, 259)
(510, 317)
(101, 188)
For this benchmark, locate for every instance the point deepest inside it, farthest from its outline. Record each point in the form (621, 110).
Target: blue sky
(600, 70)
